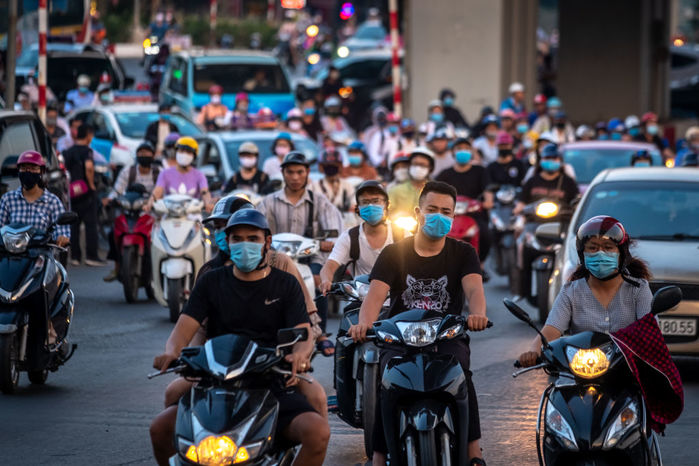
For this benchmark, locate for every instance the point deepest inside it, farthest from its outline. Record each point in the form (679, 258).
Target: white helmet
(632, 121)
(546, 136)
(516, 87)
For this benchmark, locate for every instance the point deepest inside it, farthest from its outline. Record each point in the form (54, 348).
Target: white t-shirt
(272, 166)
(367, 255)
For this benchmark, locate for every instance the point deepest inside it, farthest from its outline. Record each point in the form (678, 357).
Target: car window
(365, 69)
(29, 58)
(370, 31)
(15, 139)
(103, 129)
(134, 124)
(63, 72)
(234, 78)
(589, 162)
(178, 76)
(646, 208)
(304, 145)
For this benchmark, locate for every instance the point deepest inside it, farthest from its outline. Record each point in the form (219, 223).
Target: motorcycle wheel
(129, 279)
(175, 301)
(542, 294)
(369, 393)
(9, 373)
(427, 448)
(38, 377)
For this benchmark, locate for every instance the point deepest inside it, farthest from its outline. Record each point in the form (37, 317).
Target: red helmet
(603, 226)
(216, 89)
(504, 138)
(540, 99)
(31, 157)
(241, 96)
(649, 116)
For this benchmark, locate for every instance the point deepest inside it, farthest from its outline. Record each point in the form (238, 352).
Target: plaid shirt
(41, 213)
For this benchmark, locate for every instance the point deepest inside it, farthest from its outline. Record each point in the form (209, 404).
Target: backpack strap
(309, 231)
(132, 176)
(354, 243)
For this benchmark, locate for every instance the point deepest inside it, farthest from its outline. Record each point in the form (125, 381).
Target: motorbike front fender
(176, 267)
(424, 373)
(9, 322)
(507, 241)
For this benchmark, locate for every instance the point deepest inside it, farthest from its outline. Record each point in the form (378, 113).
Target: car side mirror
(291, 335)
(549, 233)
(665, 299)
(67, 218)
(9, 166)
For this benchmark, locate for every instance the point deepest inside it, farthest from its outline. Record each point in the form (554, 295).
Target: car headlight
(419, 333)
(505, 196)
(289, 248)
(557, 425)
(547, 210)
(588, 363)
(15, 243)
(627, 419)
(408, 224)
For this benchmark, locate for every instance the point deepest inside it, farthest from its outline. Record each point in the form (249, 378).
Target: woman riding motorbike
(607, 292)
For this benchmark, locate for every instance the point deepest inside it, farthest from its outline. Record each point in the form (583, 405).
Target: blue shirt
(41, 214)
(78, 100)
(510, 103)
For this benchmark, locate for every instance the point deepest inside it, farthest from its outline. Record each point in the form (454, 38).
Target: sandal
(326, 347)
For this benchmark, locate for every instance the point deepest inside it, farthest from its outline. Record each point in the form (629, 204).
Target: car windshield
(370, 31)
(63, 72)
(234, 78)
(648, 209)
(589, 162)
(304, 145)
(134, 124)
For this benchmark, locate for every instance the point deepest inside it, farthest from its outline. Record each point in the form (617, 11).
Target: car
(189, 75)
(659, 207)
(369, 35)
(64, 62)
(218, 169)
(589, 158)
(684, 80)
(21, 131)
(120, 128)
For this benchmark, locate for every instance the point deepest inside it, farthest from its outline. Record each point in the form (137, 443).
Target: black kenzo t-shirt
(432, 283)
(254, 309)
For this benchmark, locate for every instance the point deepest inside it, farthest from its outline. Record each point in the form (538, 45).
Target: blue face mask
(616, 136)
(372, 214)
(550, 165)
(246, 255)
(522, 128)
(84, 89)
(437, 225)
(355, 160)
(309, 111)
(221, 242)
(642, 164)
(602, 264)
(437, 117)
(393, 129)
(635, 131)
(448, 101)
(652, 129)
(603, 137)
(462, 157)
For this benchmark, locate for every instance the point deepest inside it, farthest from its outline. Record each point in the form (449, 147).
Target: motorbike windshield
(228, 355)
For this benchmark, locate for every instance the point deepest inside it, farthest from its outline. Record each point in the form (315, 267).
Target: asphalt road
(97, 408)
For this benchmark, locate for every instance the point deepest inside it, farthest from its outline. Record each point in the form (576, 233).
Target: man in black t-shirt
(549, 181)
(429, 271)
(506, 169)
(253, 299)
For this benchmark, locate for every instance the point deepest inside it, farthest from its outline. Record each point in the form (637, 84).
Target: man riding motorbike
(404, 196)
(449, 269)
(249, 177)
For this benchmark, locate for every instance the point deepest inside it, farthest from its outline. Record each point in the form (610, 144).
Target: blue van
(189, 75)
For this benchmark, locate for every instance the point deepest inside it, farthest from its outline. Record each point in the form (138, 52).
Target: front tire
(175, 297)
(369, 402)
(9, 372)
(542, 293)
(130, 279)
(38, 377)
(427, 449)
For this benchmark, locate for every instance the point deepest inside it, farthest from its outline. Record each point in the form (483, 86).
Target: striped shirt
(41, 214)
(577, 310)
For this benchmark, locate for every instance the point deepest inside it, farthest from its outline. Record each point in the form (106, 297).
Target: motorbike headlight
(588, 363)
(289, 248)
(547, 210)
(138, 204)
(627, 419)
(15, 243)
(407, 224)
(505, 196)
(309, 251)
(386, 337)
(125, 204)
(460, 208)
(362, 289)
(213, 450)
(419, 333)
(175, 209)
(557, 425)
(451, 332)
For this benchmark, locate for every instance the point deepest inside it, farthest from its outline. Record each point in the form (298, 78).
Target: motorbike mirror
(67, 218)
(324, 234)
(291, 335)
(549, 233)
(522, 315)
(665, 299)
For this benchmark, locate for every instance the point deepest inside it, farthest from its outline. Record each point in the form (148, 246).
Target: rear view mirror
(665, 299)
(517, 311)
(67, 218)
(329, 234)
(549, 233)
(290, 335)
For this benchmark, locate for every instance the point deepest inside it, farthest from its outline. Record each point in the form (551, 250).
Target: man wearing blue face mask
(81, 96)
(429, 271)
(436, 118)
(452, 113)
(641, 158)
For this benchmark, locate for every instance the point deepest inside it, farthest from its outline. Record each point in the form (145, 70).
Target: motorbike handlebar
(518, 365)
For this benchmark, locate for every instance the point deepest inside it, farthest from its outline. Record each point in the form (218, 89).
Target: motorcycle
(502, 229)
(464, 227)
(36, 304)
(230, 415)
(300, 249)
(593, 413)
(424, 423)
(180, 245)
(132, 237)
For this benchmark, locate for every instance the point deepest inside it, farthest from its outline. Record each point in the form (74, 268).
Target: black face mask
(331, 170)
(504, 152)
(29, 179)
(561, 125)
(144, 161)
(409, 134)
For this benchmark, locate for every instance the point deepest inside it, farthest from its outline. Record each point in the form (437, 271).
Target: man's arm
(327, 273)
(181, 335)
(473, 289)
(90, 174)
(120, 184)
(371, 307)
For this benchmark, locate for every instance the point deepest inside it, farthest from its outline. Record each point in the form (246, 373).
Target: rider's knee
(163, 426)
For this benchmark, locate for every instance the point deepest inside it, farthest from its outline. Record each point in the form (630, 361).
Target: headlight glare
(588, 363)
(215, 450)
(627, 419)
(547, 210)
(506, 196)
(419, 333)
(406, 223)
(460, 208)
(386, 337)
(290, 248)
(557, 425)
(175, 209)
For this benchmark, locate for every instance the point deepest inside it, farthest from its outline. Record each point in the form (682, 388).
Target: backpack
(342, 273)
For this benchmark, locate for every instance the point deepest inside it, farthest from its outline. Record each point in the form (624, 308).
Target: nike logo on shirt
(272, 301)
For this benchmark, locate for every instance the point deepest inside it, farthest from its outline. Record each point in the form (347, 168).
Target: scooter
(300, 249)
(132, 229)
(179, 247)
(424, 422)
(36, 304)
(230, 416)
(502, 229)
(593, 413)
(464, 227)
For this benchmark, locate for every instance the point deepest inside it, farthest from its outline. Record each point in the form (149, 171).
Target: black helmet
(370, 185)
(604, 226)
(295, 158)
(550, 151)
(227, 206)
(249, 217)
(145, 145)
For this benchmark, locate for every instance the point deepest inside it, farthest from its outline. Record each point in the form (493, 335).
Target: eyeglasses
(30, 168)
(372, 201)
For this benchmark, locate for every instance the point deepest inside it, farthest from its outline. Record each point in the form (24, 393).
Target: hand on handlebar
(358, 332)
(325, 286)
(62, 241)
(530, 358)
(477, 323)
(299, 363)
(163, 361)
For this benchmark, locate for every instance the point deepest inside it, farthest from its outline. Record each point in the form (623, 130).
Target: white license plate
(682, 327)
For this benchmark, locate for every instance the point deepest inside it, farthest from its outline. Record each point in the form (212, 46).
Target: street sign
(293, 4)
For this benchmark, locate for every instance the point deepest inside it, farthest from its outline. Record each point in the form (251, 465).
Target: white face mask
(295, 125)
(215, 99)
(400, 174)
(418, 173)
(248, 162)
(184, 159)
(281, 151)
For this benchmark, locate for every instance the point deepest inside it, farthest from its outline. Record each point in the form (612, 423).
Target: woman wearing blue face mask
(608, 291)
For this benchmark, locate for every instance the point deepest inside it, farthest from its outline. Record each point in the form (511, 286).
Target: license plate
(682, 327)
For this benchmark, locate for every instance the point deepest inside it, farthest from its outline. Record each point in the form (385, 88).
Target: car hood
(669, 261)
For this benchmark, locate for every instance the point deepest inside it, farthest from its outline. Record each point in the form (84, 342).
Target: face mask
(642, 164)
(560, 125)
(381, 120)
(309, 111)
(603, 137)
(165, 116)
(437, 117)
(220, 238)
(295, 125)
(418, 173)
(504, 152)
(106, 98)
(400, 174)
(331, 170)
(248, 162)
(281, 151)
(215, 99)
(652, 129)
(83, 89)
(246, 255)
(409, 134)
(634, 131)
(550, 165)
(491, 134)
(355, 160)
(448, 101)
(29, 179)
(372, 214)
(51, 121)
(436, 225)
(522, 128)
(602, 264)
(616, 136)
(144, 161)
(393, 129)
(462, 156)
(184, 159)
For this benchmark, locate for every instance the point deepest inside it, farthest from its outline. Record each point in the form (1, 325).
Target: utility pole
(43, 27)
(11, 56)
(213, 13)
(395, 59)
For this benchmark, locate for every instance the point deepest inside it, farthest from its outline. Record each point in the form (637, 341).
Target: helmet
(294, 113)
(145, 145)
(227, 206)
(249, 217)
(508, 113)
(554, 102)
(614, 124)
(649, 116)
(265, 118)
(516, 87)
(398, 158)
(331, 157)
(424, 151)
(604, 226)
(31, 157)
(504, 138)
(283, 136)
(631, 121)
(641, 154)
(490, 119)
(441, 132)
(241, 96)
(369, 184)
(332, 101)
(215, 89)
(104, 87)
(546, 136)
(392, 118)
(295, 158)
(446, 92)
(171, 140)
(433, 104)
(83, 80)
(406, 124)
(583, 130)
(187, 143)
(248, 148)
(458, 141)
(550, 151)
(540, 99)
(357, 145)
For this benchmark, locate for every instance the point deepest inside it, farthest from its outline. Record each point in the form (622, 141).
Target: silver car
(659, 208)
